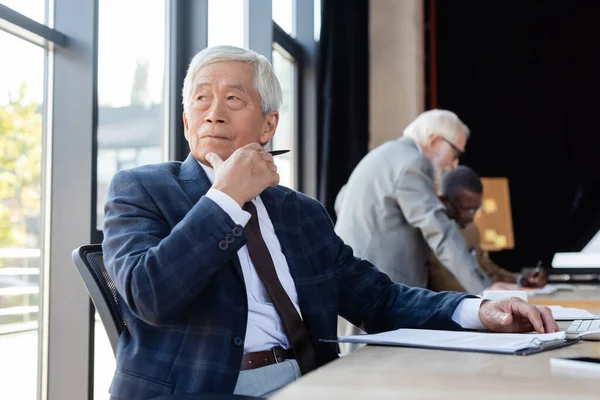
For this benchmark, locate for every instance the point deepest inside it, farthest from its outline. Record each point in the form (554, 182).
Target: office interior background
(89, 87)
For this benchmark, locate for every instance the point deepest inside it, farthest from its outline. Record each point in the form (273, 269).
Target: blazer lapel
(194, 181)
(195, 184)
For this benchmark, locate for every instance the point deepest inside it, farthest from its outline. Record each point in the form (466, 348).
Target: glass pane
(131, 75)
(285, 69)
(226, 22)
(317, 20)
(131, 125)
(21, 121)
(283, 15)
(34, 9)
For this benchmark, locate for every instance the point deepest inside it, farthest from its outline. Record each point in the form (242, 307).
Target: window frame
(30, 30)
(289, 44)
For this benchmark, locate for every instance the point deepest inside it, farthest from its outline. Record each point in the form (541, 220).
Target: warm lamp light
(494, 220)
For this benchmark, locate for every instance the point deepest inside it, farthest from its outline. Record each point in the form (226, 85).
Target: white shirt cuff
(230, 206)
(467, 314)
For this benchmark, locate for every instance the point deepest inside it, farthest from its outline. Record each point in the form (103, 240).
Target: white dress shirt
(265, 329)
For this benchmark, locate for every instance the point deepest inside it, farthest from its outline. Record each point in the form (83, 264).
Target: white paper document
(566, 314)
(452, 340)
(550, 289)
(564, 286)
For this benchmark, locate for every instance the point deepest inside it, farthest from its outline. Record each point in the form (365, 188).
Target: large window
(285, 69)
(287, 59)
(21, 126)
(34, 9)
(283, 15)
(226, 22)
(131, 115)
(317, 20)
(131, 76)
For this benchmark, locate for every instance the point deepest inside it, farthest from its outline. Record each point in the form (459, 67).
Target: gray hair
(265, 81)
(441, 122)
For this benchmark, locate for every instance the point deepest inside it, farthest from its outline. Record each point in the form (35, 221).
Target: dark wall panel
(524, 75)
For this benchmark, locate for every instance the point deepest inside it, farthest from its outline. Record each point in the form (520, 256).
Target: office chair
(90, 264)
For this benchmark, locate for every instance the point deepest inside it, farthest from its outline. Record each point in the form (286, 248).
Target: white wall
(397, 67)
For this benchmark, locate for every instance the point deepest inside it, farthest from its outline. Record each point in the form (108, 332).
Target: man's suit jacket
(389, 214)
(441, 279)
(172, 253)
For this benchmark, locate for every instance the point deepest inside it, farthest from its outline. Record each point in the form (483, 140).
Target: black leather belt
(263, 358)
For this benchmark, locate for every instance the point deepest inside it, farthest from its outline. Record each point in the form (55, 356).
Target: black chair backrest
(90, 264)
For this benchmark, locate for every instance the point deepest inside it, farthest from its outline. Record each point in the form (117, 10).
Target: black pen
(537, 270)
(278, 152)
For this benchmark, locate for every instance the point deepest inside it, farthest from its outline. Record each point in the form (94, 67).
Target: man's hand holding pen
(246, 173)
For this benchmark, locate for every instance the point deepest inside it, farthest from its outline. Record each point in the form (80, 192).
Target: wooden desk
(585, 296)
(375, 372)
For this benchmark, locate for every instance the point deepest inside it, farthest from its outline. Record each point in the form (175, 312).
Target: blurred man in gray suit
(389, 212)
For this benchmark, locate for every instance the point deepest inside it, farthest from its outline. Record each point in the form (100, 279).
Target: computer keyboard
(587, 329)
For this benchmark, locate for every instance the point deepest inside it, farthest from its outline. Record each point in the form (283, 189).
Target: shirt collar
(418, 146)
(210, 173)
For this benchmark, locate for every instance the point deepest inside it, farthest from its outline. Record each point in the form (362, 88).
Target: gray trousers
(265, 381)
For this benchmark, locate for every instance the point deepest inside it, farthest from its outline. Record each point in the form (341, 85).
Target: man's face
(445, 154)
(464, 206)
(225, 111)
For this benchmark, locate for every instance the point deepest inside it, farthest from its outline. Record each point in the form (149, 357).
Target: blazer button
(237, 231)
(223, 245)
(230, 238)
(238, 341)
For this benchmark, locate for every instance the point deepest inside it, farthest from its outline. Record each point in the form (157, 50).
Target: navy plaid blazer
(182, 293)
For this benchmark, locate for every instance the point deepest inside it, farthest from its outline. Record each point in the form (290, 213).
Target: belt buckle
(275, 355)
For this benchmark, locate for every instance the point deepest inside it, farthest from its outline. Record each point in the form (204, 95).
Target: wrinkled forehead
(208, 84)
(231, 74)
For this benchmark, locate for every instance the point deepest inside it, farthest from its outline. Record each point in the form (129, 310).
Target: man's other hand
(535, 279)
(516, 315)
(245, 174)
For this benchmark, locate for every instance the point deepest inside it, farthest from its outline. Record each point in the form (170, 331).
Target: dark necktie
(293, 324)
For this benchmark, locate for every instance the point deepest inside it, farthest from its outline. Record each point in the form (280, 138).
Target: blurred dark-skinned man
(462, 194)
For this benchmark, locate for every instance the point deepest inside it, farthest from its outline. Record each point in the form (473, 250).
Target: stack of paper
(564, 286)
(567, 314)
(510, 343)
(550, 289)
